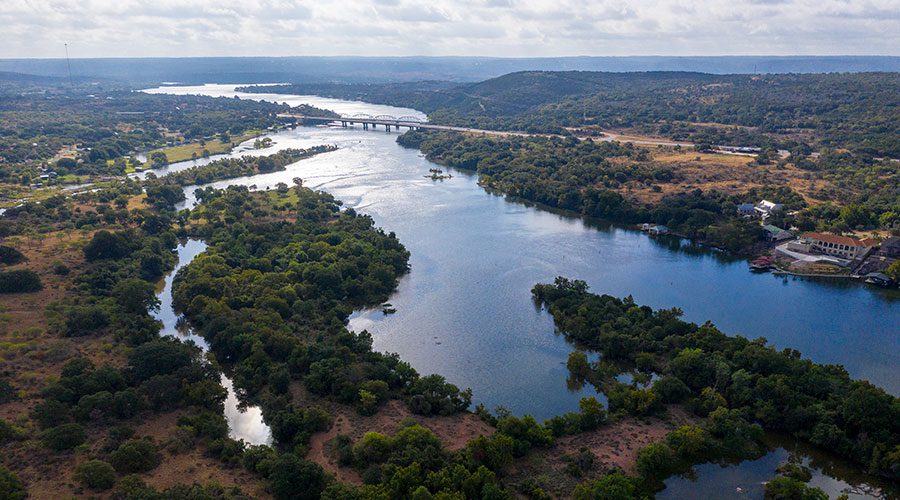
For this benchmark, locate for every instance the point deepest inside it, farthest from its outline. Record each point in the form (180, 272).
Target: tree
(11, 488)
(613, 486)
(136, 295)
(63, 437)
(893, 271)
(10, 256)
(107, 245)
(20, 281)
(135, 455)
(654, 461)
(162, 356)
(294, 478)
(96, 475)
(578, 364)
(785, 488)
(593, 414)
(158, 159)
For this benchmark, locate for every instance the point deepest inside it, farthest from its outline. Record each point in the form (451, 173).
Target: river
(465, 309)
(244, 423)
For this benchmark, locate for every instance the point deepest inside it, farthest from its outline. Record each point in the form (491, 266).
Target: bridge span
(386, 121)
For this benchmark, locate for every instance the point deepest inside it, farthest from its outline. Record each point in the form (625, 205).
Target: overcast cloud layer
(113, 28)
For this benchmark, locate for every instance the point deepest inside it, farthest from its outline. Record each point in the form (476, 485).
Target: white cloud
(38, 28)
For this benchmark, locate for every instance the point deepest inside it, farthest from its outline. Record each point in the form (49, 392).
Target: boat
(879, 279)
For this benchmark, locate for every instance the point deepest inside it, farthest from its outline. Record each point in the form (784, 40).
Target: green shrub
(85, 320)
(654, 461)
(11, 487)
(20, 281)
(9, 432)
(786, 488)
(63, 437)
(136, 455)
(10, 256)
(295, 478)
(60, 269)
(96, 475)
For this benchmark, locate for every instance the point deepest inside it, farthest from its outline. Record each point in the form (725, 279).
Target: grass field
(187, 151)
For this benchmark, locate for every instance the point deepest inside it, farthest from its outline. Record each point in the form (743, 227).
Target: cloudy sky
(92, 28)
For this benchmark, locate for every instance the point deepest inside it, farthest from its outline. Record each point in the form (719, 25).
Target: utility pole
(68, 66)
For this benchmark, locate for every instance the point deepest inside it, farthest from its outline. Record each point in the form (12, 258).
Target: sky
(509, 28)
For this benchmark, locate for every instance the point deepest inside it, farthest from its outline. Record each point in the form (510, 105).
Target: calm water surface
(243, 422)
(465, 309)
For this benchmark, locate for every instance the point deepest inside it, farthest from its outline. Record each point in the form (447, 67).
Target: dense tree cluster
(738, 382)
(272, 296)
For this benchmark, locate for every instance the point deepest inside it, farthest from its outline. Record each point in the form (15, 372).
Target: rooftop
(840, 240)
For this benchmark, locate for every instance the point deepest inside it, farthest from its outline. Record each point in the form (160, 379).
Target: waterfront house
(746, 210)
(775, 233)
(844, 247)
(659, 229)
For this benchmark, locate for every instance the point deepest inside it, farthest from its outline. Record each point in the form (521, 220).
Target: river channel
(465, 309)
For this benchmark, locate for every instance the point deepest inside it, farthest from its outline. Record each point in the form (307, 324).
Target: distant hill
(860, 111)
(408, 69)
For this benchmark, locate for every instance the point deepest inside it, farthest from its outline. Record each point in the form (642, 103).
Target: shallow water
(746, 480)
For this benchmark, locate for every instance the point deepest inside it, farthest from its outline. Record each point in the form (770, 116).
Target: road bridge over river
(415, 123)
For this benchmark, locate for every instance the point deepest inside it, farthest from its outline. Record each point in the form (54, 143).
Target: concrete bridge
(386, 121)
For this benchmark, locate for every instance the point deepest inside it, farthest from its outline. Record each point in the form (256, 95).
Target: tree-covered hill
(859, 111)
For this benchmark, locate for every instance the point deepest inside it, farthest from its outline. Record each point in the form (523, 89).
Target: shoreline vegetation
(627, 184)
(736, 383)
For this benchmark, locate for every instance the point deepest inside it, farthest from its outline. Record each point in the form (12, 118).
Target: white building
(765, 208)
(844, 247)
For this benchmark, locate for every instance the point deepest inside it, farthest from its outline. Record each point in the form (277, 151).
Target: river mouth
(245, 422)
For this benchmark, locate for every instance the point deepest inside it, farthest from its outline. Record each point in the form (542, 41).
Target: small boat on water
(762, 264)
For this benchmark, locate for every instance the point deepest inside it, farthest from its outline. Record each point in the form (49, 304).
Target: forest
(855, 111)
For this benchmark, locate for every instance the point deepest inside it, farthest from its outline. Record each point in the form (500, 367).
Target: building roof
(840, 240)
(745, 206)
(774, 229)
(891, 242)
(766, 204)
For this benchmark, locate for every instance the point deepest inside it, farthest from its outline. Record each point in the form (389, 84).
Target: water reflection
(244, 422)
(746, 480)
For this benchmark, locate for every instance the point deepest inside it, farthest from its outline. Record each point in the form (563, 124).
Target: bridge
(373, 121)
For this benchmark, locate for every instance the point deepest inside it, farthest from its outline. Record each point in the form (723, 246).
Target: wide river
(465, 309)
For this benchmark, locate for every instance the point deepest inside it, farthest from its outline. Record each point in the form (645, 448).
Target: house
(746, 210)
(775, 233)
(844, 247)
(891, 247)
(766, 208)
(659, 229)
